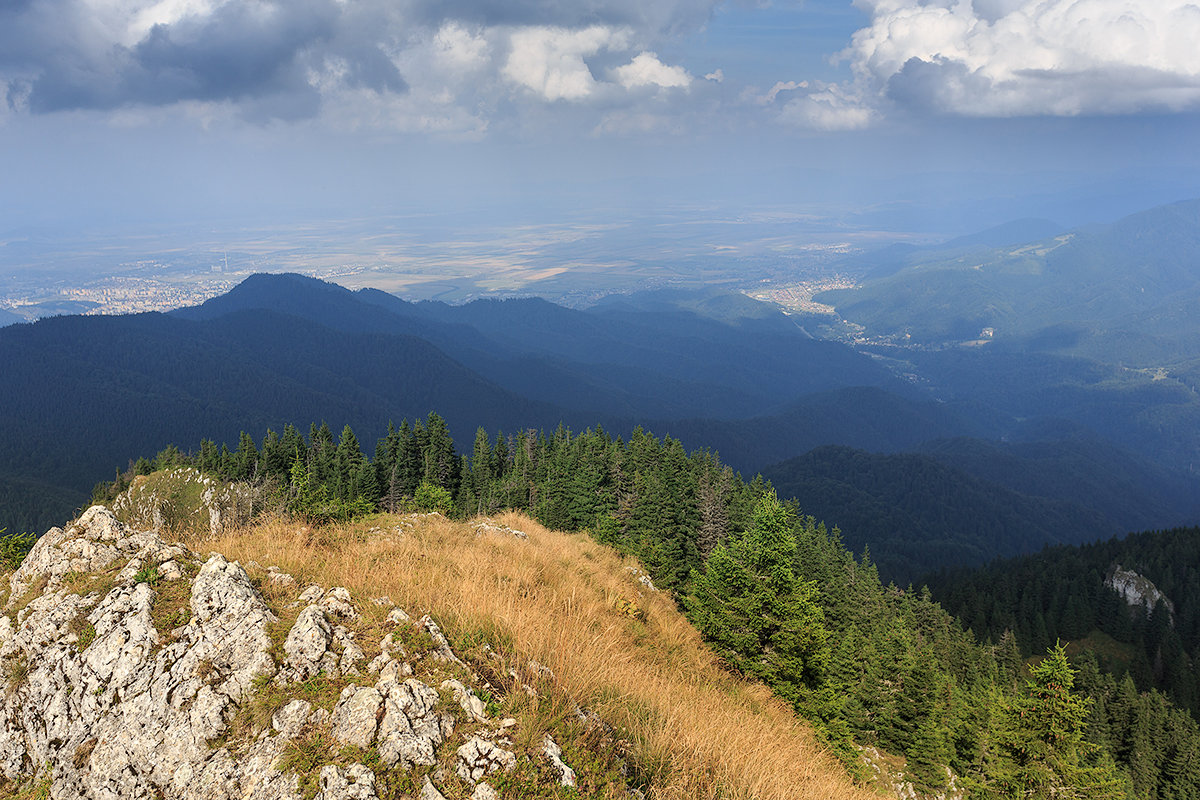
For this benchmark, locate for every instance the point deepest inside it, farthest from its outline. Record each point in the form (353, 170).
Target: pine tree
(928, 755)
(274, 459)
(481, 473)
(754, 610)
(393, 496)
(246, 460)
(321, 455)
(348, 460)
(410, 459)
(1039, 748)
(441, 466)
(712, 496)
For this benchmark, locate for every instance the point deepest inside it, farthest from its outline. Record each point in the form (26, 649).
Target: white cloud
(1031, 57)
(461, 49)
(828, 108)
(773, 92)
(647, 70)
(716, 76)
(550, 61)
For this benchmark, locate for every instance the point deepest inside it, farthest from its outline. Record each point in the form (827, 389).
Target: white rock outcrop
(1137, 590)
(479, 757)
(553, 753)
(134, 708)
(116, 708)
(137, 669)
(475, 707)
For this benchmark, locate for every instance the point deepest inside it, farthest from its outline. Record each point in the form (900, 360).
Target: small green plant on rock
(305, 755)
(38, 789)
(84, 631)
(147, 574)
(16, 670)
(171, 607)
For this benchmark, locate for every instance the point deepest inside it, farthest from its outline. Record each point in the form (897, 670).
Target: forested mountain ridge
(975, 500)
(878, 500)
(252, 358)
(1133, 497)
(84, 389)
(775, 592)
(653, 363)
(714, 370)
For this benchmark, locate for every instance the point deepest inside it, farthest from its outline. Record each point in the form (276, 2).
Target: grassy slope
(696, 731)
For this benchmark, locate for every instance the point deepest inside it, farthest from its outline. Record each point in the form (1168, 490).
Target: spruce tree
(758, 615)
(1039, 748)
(348, 460)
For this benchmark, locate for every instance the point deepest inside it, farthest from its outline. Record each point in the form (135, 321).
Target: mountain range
(1063, 448)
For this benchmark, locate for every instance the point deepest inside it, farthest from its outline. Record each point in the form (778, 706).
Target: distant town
(798, 297)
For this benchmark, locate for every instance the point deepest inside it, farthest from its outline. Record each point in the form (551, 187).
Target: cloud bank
(411, 64)
(1030, 57)
(466, 67)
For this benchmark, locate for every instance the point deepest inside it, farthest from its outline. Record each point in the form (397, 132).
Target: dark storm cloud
(254, 53)
(649, 16)
(281, 58)
(933, 85)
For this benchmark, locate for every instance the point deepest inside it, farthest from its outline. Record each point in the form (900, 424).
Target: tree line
(775, 592)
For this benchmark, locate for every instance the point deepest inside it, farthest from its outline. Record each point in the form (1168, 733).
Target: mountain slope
(715, 370)
(79, 382)
(1085, 470)
(1090, 282)
(917, 514)
(1068, 593)
(862, 417)
(895, 257)
(664, 359)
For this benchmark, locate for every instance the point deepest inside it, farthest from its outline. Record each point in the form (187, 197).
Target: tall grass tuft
(562, 600)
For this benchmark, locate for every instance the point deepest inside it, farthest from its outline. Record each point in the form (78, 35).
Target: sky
(937, 115)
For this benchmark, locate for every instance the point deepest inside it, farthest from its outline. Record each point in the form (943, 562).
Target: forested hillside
(713, 370)
(1061, 593)
(880, 500)
(775, 592)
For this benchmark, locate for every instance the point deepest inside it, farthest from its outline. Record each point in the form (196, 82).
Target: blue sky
(936, 114)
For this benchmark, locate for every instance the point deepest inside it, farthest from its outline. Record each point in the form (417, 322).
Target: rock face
(1137, 590)
(136, 669)
(184, 498)
(91, 677)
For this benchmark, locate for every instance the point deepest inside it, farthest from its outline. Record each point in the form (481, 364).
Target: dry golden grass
(700, 732)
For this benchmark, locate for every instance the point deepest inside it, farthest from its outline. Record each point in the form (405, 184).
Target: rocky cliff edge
(134, 668)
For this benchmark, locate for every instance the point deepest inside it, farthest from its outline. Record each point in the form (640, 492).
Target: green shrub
(429, 497)
(14, 547)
